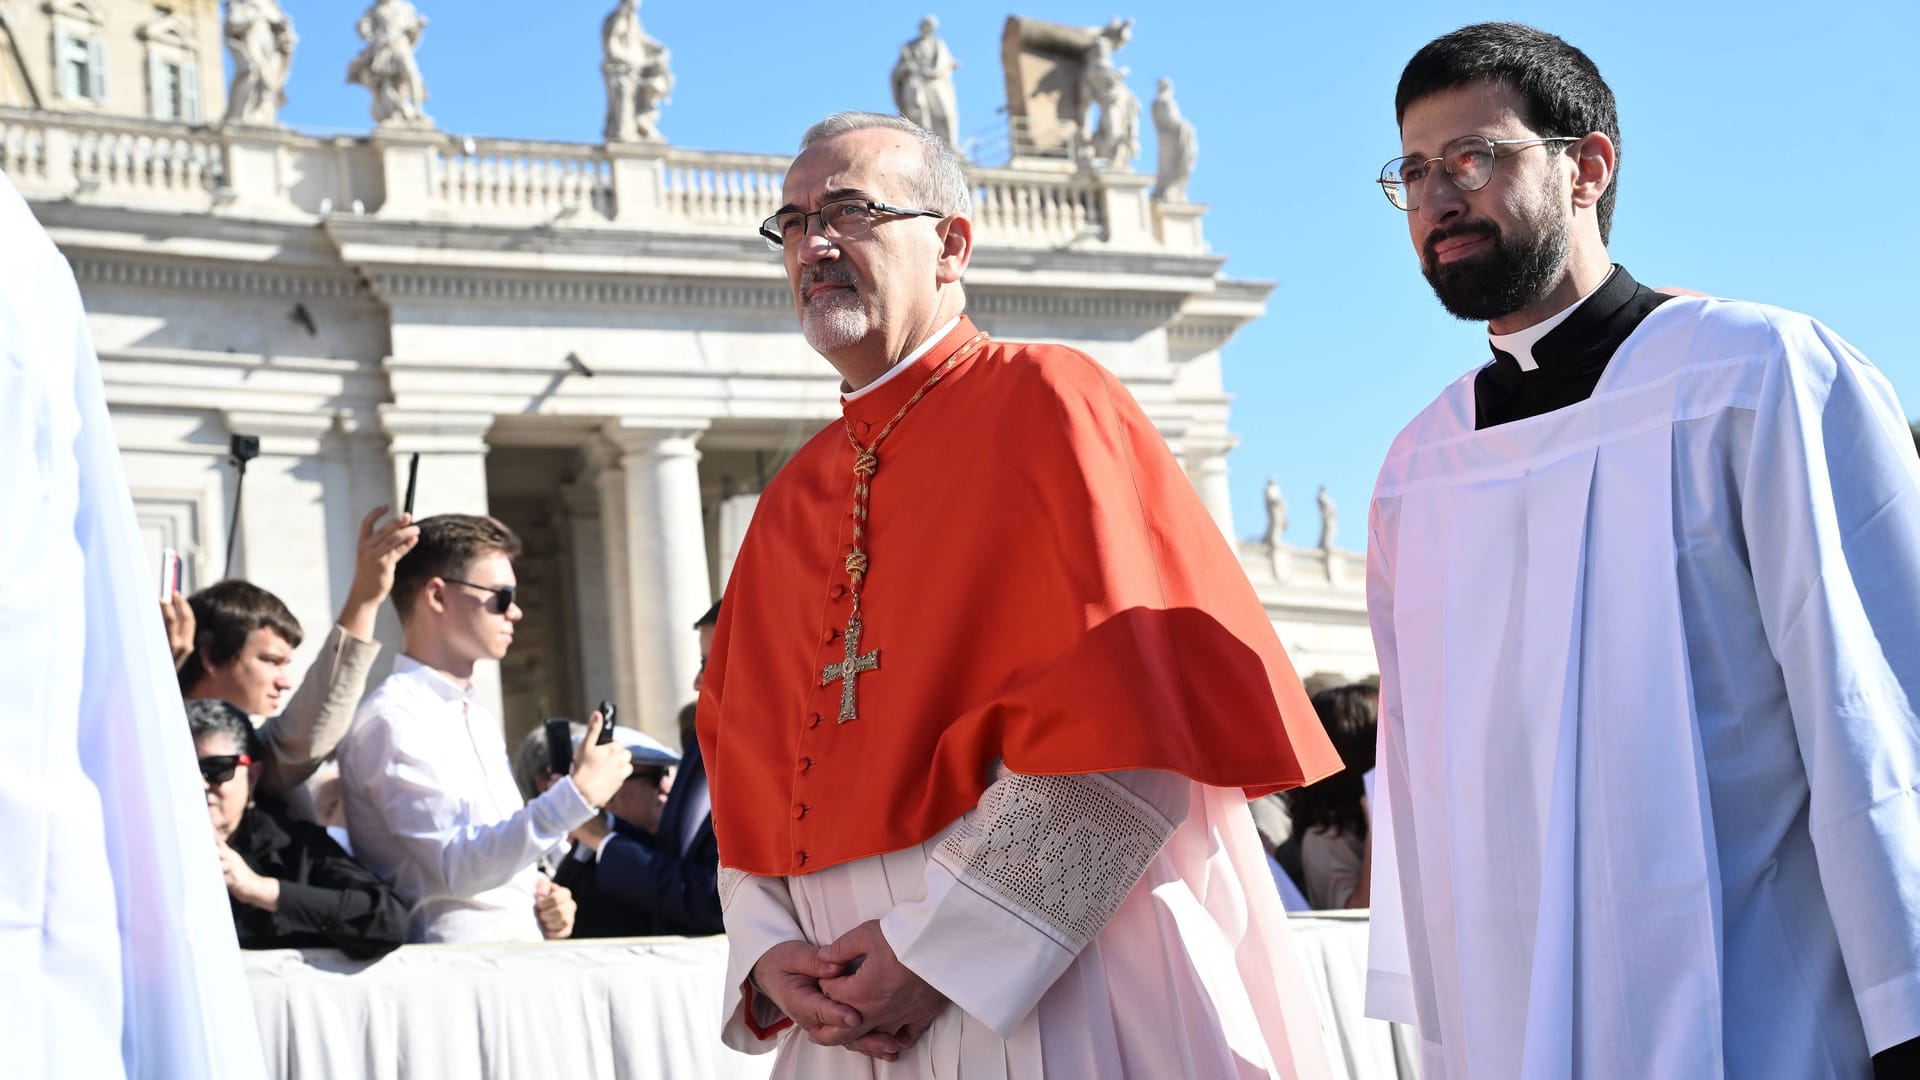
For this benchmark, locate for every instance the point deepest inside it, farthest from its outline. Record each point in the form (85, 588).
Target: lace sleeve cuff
(1018, 887)
(1061, 852)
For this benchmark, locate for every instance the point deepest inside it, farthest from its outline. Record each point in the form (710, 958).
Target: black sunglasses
(502, 597)
(219, 768)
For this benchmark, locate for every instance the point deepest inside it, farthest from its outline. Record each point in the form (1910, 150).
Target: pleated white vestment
(1648, 760)
(117, 948)
(1118, 926)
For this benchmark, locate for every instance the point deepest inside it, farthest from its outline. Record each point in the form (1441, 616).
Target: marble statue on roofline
(386, 67)
(260, 39)
(1050, 96)
(1179, 148)
(923, 83)
(1276, 513)
(1116, 139)
(1329, 519)
(639, 75)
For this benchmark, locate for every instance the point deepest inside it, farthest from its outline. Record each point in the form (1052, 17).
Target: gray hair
(530, 758)
(211, 716)
(941, 186)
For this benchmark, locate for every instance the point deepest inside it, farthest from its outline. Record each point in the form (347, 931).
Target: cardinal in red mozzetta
(989, 693)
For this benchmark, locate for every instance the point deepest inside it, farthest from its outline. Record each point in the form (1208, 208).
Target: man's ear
(956, 249)
(1593, 158)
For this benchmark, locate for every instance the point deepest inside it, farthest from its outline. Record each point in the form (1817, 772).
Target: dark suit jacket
(641, 885)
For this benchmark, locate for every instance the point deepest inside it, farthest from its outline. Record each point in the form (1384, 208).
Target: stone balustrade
(1043, 207)
(119, 159)
(709, 188)
(435, 177)
(516, 180)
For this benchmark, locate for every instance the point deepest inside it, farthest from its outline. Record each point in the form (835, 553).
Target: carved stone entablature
(175, 276)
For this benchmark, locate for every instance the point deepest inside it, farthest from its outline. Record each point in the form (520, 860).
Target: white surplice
(1111, 926)
(1649, 750)
(117, 949)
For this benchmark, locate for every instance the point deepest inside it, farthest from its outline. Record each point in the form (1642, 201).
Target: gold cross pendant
(850, 669)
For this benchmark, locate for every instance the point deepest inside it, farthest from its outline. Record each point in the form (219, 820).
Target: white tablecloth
(633, 1009)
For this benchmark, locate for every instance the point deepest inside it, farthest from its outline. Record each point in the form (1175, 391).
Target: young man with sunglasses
(1645, 589)
(430, 799)
(290, 885)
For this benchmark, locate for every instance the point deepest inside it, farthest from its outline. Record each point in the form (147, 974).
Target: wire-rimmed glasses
(841, 219)
(1468, 161)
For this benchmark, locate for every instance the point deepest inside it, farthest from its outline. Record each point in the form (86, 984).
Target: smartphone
(413, 476)
(559, 745)
(169, 573)
(607, 711)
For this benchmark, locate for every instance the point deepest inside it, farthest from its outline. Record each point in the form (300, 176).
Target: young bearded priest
(989, 694)
(1646, 594)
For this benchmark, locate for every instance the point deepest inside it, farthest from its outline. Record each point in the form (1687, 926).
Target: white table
(628, 1009)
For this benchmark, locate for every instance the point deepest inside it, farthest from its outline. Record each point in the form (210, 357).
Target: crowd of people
(1642, 590)
(363, 818)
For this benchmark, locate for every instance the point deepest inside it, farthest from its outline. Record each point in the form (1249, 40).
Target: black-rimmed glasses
(1468, 162)
(842, 219)
(502, 597)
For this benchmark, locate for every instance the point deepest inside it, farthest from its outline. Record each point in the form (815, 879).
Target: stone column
(665, 587)
(453, 480)
(592, 582)
(1208, 470)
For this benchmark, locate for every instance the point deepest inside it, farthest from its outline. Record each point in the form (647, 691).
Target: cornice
(194, 276)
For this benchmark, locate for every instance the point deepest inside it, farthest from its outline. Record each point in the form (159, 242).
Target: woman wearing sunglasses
(290, 885)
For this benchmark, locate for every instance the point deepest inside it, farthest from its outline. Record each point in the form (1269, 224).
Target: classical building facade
(588, 341)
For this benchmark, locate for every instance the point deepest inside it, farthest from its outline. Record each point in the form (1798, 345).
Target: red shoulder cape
(1046, 588)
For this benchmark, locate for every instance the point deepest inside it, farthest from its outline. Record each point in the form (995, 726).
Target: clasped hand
(854, 992)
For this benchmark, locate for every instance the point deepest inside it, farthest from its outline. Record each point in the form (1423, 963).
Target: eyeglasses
(1468, 161)
(502, 597)
(220, 768)
(842, 219)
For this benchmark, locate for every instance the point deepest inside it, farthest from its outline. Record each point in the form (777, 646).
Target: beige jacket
(317, 717)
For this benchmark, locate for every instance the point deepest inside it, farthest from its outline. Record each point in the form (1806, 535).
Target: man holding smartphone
(430, 800)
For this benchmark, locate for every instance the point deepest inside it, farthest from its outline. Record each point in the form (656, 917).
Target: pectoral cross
(850, 669)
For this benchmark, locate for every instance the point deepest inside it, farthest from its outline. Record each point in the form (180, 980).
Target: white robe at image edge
(1648, 750)
(118, 955)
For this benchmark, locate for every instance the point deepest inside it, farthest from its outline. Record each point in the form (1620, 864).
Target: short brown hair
(449, 543)
(225, 614)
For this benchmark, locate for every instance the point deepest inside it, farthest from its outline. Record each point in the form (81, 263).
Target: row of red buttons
(813, 721)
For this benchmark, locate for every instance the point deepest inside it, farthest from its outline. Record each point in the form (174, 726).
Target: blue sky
(1768, 154)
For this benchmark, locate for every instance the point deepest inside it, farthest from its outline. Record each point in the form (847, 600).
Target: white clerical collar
(905, 363)
(1520, 343)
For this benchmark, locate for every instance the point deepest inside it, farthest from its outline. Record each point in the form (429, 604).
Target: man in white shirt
(1645, 590)
(430, 800)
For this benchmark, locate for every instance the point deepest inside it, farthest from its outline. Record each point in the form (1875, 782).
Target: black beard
(1500, 281)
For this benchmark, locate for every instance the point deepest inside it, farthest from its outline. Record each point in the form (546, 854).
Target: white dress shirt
(432, 808)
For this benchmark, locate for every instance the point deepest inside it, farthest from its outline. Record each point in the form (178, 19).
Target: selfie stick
(244, 448)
